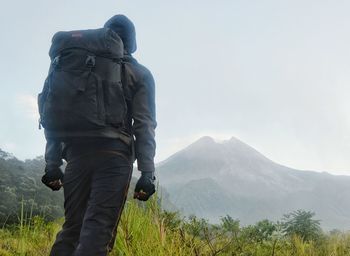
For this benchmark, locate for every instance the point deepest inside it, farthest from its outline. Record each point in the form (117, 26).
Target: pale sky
(273, 73)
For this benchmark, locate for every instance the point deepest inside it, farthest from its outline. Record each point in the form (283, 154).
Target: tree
(261, 231)
(302, 224)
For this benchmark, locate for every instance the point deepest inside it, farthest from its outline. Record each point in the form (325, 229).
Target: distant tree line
(22, 191)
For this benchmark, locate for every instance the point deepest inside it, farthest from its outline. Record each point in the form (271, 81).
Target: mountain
(212, 179)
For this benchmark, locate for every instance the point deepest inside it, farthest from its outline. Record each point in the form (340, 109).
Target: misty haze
(253, 127)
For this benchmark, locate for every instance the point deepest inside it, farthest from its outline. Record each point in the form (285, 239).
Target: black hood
(125, 29)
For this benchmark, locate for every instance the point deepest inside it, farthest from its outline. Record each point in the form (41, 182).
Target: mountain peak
(233, 139)
(204, 140)
(207, 140)
(202, 143)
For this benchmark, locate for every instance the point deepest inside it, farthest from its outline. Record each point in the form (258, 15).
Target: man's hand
(53, 178)
(145, 187)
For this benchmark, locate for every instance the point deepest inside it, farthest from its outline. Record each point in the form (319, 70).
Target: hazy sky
(272, 73)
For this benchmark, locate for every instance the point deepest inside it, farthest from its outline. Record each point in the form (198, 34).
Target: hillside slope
(212, 179)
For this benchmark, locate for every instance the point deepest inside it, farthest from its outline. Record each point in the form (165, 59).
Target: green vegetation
(21, 187)
(302, 224)
(30, 218)
(145, 230)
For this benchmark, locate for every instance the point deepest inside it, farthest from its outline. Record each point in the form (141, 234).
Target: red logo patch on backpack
(77, 35)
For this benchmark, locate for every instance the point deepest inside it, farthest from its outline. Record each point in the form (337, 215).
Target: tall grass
(146, 230)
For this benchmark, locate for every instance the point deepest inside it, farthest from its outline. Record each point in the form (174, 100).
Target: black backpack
(83, 90)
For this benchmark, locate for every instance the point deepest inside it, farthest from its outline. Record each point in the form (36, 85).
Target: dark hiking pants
(95, 189)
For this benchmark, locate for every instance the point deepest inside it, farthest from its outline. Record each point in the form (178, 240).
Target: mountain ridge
(256, 182)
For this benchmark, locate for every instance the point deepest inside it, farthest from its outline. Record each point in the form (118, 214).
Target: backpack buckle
(56, 60)
(90, 61)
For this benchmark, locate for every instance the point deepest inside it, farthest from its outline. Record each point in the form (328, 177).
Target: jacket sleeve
(53, 154)
(144, 123)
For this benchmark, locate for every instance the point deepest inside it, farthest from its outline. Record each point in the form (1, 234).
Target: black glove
(53, 178)
(145, 187)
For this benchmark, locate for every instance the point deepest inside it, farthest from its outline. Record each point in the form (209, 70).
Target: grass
(146, 230)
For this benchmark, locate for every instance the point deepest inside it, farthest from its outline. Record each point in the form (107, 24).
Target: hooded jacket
(140, 127)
